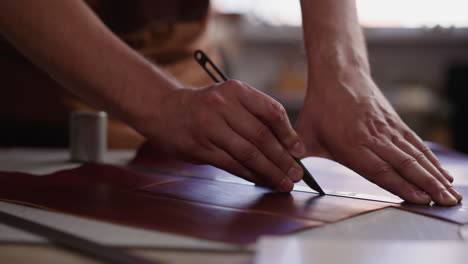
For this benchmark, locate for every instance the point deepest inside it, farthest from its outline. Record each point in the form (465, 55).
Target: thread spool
(88, 136)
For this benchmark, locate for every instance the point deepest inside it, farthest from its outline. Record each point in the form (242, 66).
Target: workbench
(20, 247)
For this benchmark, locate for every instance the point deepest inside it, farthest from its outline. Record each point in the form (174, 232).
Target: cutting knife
(203, 60)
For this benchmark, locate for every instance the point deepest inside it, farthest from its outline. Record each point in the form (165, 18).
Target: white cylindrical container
(88, 136)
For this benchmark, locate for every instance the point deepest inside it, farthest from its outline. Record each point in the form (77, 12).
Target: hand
(231, 126)
(349, 120)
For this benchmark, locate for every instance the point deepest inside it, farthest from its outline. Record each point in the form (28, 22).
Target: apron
(34, 109)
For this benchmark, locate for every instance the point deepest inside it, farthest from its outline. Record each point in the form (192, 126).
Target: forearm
(345, 117)
(69, 42)
(334, 41)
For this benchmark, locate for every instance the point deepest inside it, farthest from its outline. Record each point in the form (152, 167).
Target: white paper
(463, 231)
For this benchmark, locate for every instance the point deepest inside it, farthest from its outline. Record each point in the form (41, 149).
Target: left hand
(347, 119)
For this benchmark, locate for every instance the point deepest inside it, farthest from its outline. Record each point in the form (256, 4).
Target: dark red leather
(159, 213)
(215, 210)
(259, 199)
(206, 202)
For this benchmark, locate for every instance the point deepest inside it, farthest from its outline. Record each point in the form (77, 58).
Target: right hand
(231, 126)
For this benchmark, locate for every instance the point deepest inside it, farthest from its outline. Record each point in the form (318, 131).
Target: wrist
(332, 78)
(338, 61)
(349, 85)
(142, 96)
(340, 57)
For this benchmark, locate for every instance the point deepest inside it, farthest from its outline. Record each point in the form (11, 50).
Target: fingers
(419, 144)
(222, 118)
(409, 168)
(251, 158)
(274, 116)
(373, 168)
(250, 128)
(422, 159)
(224, 161)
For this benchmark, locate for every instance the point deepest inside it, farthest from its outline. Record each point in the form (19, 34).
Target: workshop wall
(410, 65)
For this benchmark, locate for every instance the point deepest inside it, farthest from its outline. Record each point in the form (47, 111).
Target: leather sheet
(113, 194)
(300, 205)
(335, 179)
(217, 210)
(206, 202)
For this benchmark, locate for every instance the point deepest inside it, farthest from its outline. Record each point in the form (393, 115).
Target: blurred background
(418, 52)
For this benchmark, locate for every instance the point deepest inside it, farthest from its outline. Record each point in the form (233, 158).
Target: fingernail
(455, 193)
(447, 197)
(295, 174)
(286, 185)
(298, 149)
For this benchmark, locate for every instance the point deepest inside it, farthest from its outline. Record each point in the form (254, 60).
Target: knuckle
(234, 84)
(437, 163)
(432, 182)
(285, 159)
(382, 170)
(249, 154)
(361, 142)
(410, 135)
(407, 163)
(420, 157)
(391, 121)
(395, 139)
(278, 112)
(261, 133)
(379, 125)
(361, 139)
(424, 149)
(283, 154)
(214, 98)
